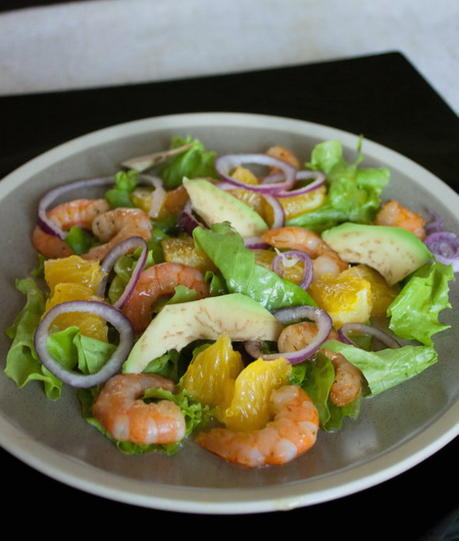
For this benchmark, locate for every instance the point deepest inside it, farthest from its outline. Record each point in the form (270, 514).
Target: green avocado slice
(176, 325)
(392, 251)
(215, 205)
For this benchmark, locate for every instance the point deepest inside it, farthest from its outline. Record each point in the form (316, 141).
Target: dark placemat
(382, 97)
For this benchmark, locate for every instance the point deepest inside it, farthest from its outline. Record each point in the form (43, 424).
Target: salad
(245, 301)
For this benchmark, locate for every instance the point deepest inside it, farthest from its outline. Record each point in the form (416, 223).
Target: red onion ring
(112, 366)
(224, 164)
(301, 175)
(278, 264)
(444, 245)
(278, 211)
(158, 195)
(384, 337)
(324, 326)
(110, 259)
(187, 220)
(255, 243)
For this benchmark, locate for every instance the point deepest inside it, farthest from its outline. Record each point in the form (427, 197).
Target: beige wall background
(108, 42)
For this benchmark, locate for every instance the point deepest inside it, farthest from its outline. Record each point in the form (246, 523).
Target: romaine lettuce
(225, 247)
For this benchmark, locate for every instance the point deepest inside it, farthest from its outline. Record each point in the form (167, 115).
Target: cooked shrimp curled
(292, 432)
(126, 417)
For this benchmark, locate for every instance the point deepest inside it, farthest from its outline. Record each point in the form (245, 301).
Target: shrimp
(348, 379)
(291, 433)
(298, 335)
(325, 260)
(158, 280)
(126, 417)
(117, 225)
(282, 153)
(79, 212)
(394, 214)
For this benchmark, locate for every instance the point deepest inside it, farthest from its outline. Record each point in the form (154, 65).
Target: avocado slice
(176, 325)
(392, 251)
(215, 205)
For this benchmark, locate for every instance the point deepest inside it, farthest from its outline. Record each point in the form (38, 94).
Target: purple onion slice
(48, 225)
(384, 337)
(435, 224)
(278, 211)
(301, 175)
(111, 367)
(158, 195)
(279, 263)
(444, 245)
(324, 326)
(187, 220)
(255, 243)
(110, 259)
(224, 165)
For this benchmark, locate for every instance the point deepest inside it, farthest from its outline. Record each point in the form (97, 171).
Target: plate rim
(392, 462)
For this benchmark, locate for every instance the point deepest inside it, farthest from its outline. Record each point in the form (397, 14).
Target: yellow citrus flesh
(73, 269)
(299, 204)
(265, 258)
(211, 375)
(89, 325)
(184, 251)
(249, 408)
(142, 197)
(347, 298)
(382, 293)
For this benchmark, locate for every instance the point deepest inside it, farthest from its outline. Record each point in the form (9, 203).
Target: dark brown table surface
(382, 97)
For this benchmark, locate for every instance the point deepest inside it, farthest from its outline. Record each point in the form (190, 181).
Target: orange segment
(249, 408)
(347, 298)
(184, 251)
(298, 204)
(211, 375)
(73, 269)
(382, 294)
(89, 325)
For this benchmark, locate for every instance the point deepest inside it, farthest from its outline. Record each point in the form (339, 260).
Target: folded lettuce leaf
(353, 192)
(318, 381)
(388, 367)
(125, 183)
(192, 163)
(225, 247)
(414, 313)
(22, 362)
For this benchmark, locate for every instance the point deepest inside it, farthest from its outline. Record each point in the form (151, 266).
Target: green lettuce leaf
(318, 381)
(22, 362)
(353, 192)
(388, 367)
(414, 313)
(120, 194)
(192, 163)
(225, 247)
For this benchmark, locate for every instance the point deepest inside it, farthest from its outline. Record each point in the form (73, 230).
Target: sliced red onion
(278, 211)
(255, 243)
(224, 164)
(187, 220)
(384, 337)
(324, 326)
(48, 225)
(279, 262)
(301, 175)
(253, 348)
(444, 245)
(158, 196)
(112, 366)
(142, 163)
(110, 259)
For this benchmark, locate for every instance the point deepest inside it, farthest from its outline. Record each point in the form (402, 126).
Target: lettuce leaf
(120, 194)
(22, 362)
(388, 367)
(414, 313)
(317, 383)
(225, 247)
(192, 163)
(353, 192)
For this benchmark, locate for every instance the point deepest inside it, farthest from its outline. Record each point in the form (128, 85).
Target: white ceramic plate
(395, 431)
